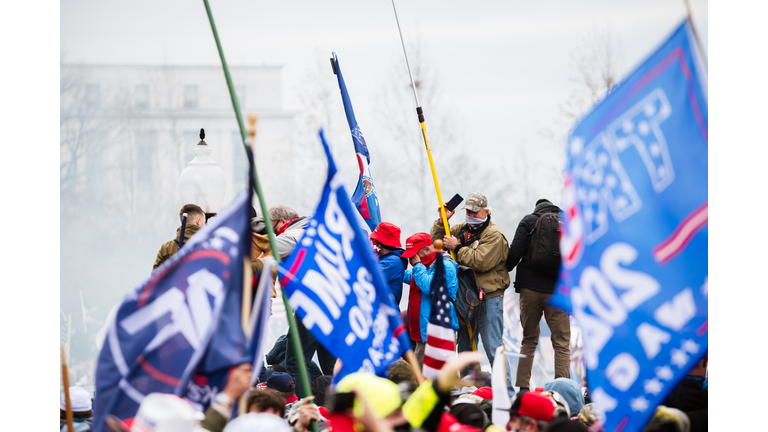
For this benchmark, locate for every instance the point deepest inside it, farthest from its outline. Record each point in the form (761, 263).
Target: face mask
(474, 222)
(376, 247)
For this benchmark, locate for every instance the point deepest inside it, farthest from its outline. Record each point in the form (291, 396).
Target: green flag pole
(294, 335)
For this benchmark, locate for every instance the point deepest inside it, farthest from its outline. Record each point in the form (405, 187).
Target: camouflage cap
(588, 414)
(671, 416)
(400, 371)
(475, 202)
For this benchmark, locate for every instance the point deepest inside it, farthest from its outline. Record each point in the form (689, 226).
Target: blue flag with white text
(365, 198)
(334, 283)
(180, 332)
(634, 242)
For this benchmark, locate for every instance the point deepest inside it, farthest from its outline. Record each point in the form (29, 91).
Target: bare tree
(597, 62)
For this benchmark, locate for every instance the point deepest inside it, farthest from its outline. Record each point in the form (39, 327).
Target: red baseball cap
(534, 405)
(414, 244)
(484, 392)
(387, 234)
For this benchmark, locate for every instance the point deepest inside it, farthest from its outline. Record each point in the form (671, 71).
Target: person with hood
(421, 254)
(386, 243)
(195, 221)
(536, 288)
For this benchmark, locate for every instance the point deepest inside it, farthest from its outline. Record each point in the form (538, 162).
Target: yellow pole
(420, 113)
(434, 177)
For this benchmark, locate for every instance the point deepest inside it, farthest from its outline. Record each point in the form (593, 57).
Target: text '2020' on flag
(634, 240)
(364, 197)
(334, 284)
(439, 347)
(180, 332)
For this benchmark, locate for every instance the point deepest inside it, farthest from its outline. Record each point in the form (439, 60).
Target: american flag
(440, 347)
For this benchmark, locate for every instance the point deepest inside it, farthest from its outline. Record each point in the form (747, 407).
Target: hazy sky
(504, 66)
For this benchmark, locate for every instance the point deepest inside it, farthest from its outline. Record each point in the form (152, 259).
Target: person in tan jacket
(479, 244)
(195, 221)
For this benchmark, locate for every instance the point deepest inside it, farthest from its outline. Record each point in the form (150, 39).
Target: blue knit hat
(569, 390)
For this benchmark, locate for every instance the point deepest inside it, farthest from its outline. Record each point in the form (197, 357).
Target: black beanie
(469, 414)
(543, 200)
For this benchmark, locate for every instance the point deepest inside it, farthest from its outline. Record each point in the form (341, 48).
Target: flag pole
(420, 114)
(294, 335)
(67, 400)
(695, 33)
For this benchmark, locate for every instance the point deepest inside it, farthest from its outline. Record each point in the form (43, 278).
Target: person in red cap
(421, 254)
(386, 242)
(531, 412)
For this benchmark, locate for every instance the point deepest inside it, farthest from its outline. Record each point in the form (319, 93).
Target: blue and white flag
(364, 197)
(334, 283)
(180, 332)
(634, 239)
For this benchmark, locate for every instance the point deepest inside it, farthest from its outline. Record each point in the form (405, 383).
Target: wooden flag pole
(411, 358)
(245, 314)
(67, 401)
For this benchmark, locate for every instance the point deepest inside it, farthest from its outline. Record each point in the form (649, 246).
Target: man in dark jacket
(195, 221)
(386, 240)
(535, 291)
(691, 396)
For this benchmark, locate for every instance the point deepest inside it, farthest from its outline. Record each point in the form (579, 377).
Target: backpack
(544, 246)
(469, 299)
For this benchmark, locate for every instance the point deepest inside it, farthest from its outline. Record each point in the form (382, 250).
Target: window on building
(239, 164)
(240, 92)
(141, 96)
(190, 96)
(92, 95)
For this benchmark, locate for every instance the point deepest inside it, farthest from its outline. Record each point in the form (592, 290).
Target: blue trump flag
(333, 282)
(634, 239)
(364, 197)
(180, 331)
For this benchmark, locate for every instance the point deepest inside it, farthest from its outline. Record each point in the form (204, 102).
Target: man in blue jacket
(386, 242)
(421, 254)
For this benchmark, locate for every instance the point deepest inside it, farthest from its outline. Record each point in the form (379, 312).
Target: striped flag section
(682, 235)
(440, 347)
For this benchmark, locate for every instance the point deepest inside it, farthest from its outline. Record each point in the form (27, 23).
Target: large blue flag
(364, 197)
(180, 331)
(334, 283)
(634, 239)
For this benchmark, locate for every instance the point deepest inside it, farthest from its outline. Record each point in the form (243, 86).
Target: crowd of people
(366, 402)
(363, 401)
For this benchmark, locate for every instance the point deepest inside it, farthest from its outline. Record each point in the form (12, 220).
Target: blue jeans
(490, 328)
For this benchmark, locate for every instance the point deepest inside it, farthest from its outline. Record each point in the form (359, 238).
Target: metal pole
(420, 114)
(294, 335)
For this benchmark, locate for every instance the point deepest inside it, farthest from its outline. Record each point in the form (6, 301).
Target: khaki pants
(532, 305)
(418, 351)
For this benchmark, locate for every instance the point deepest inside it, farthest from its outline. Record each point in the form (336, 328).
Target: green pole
(303, 376)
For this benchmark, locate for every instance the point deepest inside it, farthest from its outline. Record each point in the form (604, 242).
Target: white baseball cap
(161, 412)
(79, 398)
(258, 422)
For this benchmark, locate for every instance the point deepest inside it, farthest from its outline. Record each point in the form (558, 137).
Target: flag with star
(440, 347)
(364, 197)
(634, 238)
